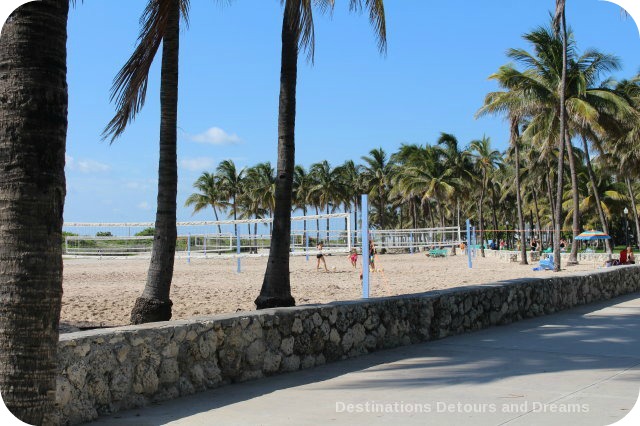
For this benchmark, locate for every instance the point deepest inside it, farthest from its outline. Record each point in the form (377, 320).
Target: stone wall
(103, 371)
(596, 258)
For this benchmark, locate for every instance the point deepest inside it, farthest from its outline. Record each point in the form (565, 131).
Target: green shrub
(147, 232)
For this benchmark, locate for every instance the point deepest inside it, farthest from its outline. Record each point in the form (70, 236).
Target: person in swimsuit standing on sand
(320, 257)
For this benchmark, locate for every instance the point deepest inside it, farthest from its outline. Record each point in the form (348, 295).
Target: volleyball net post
(365, 246)
(239, 267)
(470, 262)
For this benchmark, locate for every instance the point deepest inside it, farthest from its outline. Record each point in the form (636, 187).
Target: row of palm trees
(250, 192)
(432, 185)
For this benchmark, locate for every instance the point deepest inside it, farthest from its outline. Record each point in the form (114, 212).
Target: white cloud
(86, 165)
(137, 185)
(144, 206)
(216, 136)
(198, 164)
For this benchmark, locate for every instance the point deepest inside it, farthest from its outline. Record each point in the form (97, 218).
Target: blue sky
(350, 101)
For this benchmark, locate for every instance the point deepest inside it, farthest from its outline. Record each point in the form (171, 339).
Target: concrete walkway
(579, 367)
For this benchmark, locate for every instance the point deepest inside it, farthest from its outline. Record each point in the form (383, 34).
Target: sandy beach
(101, 292)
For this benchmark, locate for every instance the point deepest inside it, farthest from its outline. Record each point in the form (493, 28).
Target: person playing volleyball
(353, 257)
(320, 257)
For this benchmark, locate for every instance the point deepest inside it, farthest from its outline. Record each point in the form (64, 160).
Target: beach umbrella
(593, 235)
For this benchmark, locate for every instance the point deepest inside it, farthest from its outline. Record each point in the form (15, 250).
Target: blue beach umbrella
(593, 235)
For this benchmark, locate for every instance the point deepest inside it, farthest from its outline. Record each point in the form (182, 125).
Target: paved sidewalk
(585, 361)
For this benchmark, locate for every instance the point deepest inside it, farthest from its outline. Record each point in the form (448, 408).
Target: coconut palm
(33, 119)
(259, 185)
(160, 25)
(351, 188)
(326, 189)
(538, 85)
(560, 26)
(403, 185)
(511, 102)
(302, 184)
(230, 180)
(297, 32)
(377, 173)
(486, 161)
(209, 195)
(459, 163)
(625, 148)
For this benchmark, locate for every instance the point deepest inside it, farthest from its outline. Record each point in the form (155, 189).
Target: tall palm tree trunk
(535, 207)
(515, 136)
(561, 145)
(552, 199)
(154, 304)
(573, 257)
(234, 206)
(317, 226)
(552, 202)
(215, 213)
(433, 223)
(33, 129)
(327, 223)
(562, 109)
(494, 217)
(304, 222)
(634, 209)
(481, 218)
(276, 287)
(596, 195)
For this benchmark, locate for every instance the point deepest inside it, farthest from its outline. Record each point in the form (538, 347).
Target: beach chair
(437, 253)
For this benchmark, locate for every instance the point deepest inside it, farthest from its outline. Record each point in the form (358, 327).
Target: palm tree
(560, 24)
(160, 25)
(302, 184)
(230, 180)
(326, 189)
(486, 161)
(582, 102)
(260, 182)
(513, 104)
(377, 173)
(33, 119)
(209, 195)
(459, 162)
(297, 32)
(351, 188)
(625, 148)
(404, 186)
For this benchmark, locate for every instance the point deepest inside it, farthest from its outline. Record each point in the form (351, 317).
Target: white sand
(102, 292)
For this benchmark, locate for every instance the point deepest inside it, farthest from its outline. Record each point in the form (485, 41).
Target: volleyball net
(224, 238)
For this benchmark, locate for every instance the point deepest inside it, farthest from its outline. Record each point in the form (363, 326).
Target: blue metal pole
(364, 229)
(469, 244)
(204, 243)
(306, 247)
(238, 252)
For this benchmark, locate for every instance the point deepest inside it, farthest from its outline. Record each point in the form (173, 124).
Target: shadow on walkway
(604, 335)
